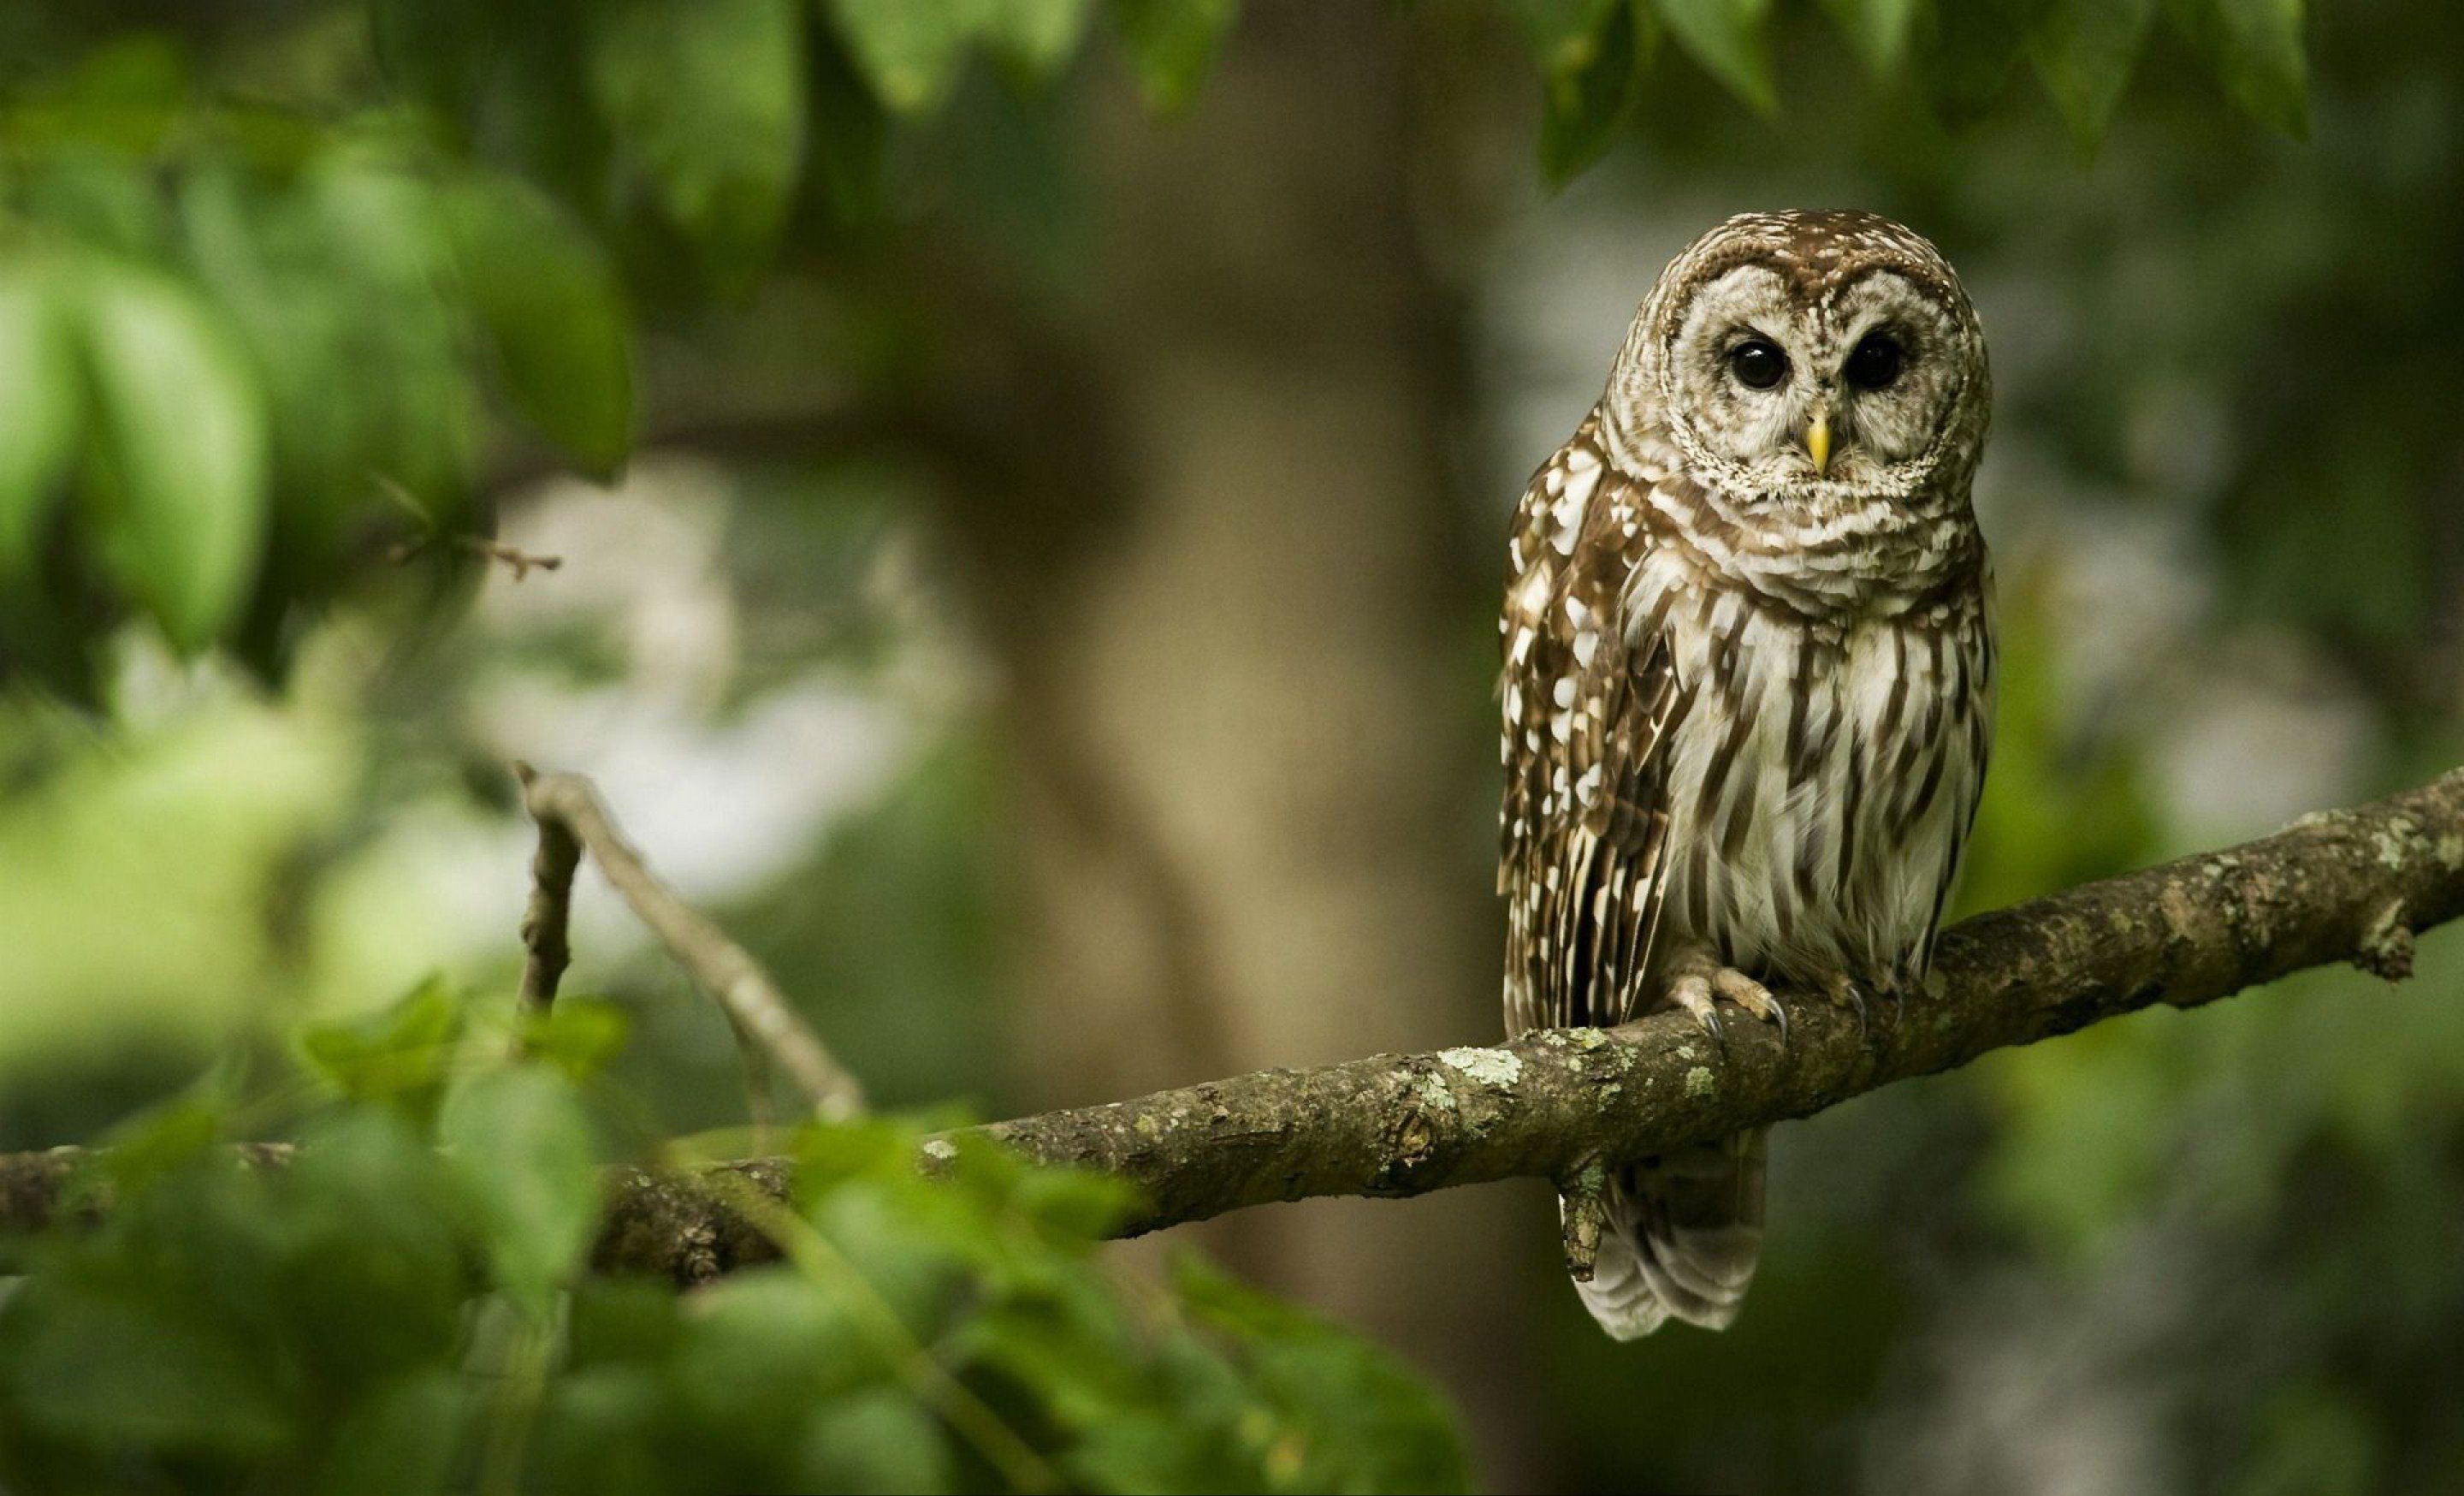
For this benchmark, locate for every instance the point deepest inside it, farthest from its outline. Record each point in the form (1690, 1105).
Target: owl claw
(1697, 989)
(1847, 995)
(1752, 997)
(1692, 992)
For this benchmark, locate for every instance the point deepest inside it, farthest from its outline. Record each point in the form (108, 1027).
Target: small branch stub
(550, 912)
(1582, 1204)
(2385, 951)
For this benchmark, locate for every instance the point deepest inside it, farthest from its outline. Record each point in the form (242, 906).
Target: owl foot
(1848, 994)
(1752, 997)
(1697, 986)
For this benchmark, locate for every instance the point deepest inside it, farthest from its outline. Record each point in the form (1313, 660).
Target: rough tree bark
(2344, 885)
(2337, 886)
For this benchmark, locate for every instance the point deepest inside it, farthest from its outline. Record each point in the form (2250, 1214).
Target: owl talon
(1847, 995)
(1692, 992)
(1752, 997)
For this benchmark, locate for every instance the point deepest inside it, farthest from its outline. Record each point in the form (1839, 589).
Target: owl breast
(1822, 777)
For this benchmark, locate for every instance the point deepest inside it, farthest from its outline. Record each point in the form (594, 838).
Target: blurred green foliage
(922, 1334)
(287, 288)
(270, 287)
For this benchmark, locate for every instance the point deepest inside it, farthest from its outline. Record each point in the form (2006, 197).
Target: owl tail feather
(1683, 1232)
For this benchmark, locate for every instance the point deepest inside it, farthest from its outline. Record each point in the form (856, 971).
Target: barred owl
(1747, 686)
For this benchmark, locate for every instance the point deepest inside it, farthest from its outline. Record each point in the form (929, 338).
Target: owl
(1748, 686)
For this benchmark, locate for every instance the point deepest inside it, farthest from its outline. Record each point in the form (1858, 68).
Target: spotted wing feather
(1588, 710)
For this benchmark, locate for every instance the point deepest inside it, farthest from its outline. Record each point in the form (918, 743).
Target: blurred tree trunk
(1241, 665)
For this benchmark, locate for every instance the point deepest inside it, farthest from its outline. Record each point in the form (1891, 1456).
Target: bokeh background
(1047, 613)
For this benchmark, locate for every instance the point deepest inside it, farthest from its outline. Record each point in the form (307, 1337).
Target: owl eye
(1874, 362)
(1758, 363)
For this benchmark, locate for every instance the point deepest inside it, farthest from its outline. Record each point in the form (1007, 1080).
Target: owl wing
(1967, 639)
(1589, 700)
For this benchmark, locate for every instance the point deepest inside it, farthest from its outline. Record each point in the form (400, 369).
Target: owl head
(1810, 356)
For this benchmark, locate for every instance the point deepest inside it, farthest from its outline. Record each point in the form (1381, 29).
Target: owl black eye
(1875, 361)
(1758, 363)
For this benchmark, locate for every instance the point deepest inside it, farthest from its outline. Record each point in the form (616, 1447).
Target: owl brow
(1932, 288)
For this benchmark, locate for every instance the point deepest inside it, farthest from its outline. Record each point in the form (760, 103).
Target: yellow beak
(1818, 441)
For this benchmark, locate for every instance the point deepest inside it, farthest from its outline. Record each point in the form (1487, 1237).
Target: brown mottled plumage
(1748, 682)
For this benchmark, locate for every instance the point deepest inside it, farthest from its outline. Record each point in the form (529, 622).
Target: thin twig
(752, 1002)
(432, 535)
(522, 563)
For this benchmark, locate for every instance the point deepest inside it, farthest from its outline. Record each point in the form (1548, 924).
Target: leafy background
(1027, 477)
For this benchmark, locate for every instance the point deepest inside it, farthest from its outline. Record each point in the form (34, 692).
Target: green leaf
(352, 393)
(179, 474)
(399, 1055)
(435, 52)
(1076, 1205)
(611, 1431)
(1563, 35)
(506, 81)
(127, 93)
(374, 1235)
(40, 393)
(580, 1036)
(1582, 109)
(106, 201)
(546, 299)
(909, 1239)
(910, 52)
(710, 97)
(620, 1320)
(1171, 44)
(1039, 35)
(403, 1440)
(766, 1345)
(1352, 1415)
(526, 1155)
(1878, 28)
(1966, 53)
(1726, 36)
(849, 134)
(2256, 49)
(159, 1142)
(878, 1440)
(91, 1354)
(1162, 1449)
(2084, 51)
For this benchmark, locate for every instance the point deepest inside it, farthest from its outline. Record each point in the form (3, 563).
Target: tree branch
(2340, 885)
(571, 818)
(2343, 885)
